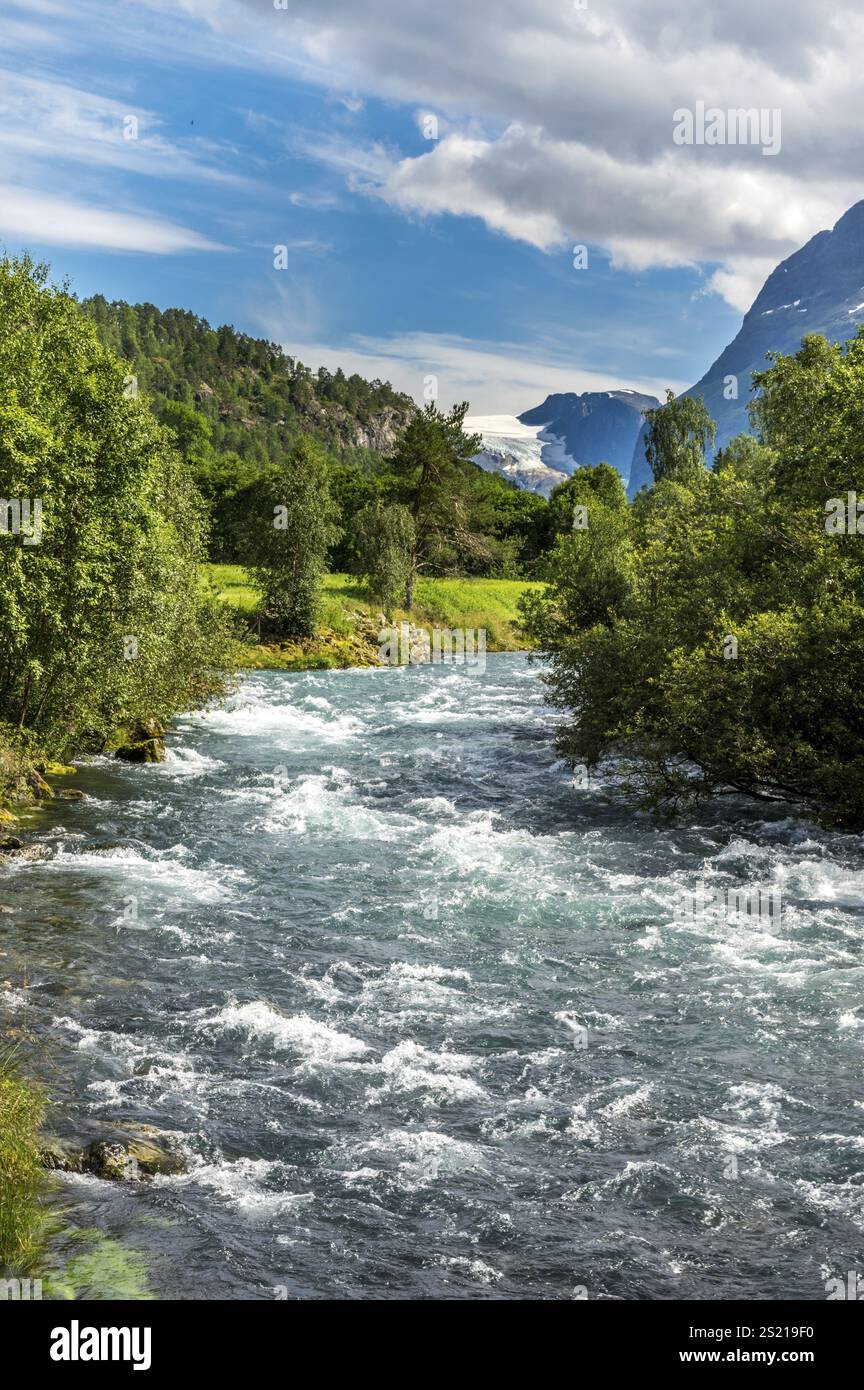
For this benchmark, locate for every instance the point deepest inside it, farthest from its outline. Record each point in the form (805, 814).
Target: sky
(429, 167)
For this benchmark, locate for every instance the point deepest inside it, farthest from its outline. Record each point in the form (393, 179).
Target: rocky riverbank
(28, 778)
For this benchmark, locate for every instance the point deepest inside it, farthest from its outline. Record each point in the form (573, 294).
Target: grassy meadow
(347, 615)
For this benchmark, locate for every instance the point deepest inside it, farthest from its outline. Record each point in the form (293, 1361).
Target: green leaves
(434, 476)
(386, 538)
(290, 527)
(711, 639)
(123, 530)
(679, 433)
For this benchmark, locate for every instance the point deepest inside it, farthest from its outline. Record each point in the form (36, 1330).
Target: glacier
(528, 455)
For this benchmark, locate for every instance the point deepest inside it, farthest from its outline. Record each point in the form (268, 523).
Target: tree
(385, 538)
(432, 465)
(289, 530)
(589, 565)
(727, 657)
(679, 434)
(102, 621)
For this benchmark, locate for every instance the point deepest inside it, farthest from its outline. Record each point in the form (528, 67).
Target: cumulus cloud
(577, 109)
(546, 192)
(555, 122)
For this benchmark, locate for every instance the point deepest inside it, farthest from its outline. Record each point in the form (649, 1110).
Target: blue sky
(302, 127)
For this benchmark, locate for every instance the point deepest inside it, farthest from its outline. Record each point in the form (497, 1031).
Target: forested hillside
(254, 397)
(237, 406)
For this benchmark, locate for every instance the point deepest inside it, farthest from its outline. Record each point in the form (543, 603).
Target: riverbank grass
(349, 618)
(22, 1177)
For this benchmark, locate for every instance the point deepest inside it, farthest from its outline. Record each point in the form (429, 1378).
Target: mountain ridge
(594, 427)
(811, 291)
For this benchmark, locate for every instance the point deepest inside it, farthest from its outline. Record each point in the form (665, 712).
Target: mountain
(249, 397)
(596, 427)
(543, 446)
(818, 289)
(517, 452)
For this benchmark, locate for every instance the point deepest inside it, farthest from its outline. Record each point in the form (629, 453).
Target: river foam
(427, 1019)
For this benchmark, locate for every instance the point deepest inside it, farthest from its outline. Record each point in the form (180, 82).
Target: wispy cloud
(61, 124)
(37, 218)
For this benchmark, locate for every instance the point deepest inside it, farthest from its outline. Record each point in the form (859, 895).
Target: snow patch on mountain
(528, 455)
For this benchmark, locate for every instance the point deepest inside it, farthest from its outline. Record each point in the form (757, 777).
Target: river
(429, 1020)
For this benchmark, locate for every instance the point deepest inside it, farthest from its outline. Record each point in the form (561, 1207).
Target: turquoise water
(428, 1020)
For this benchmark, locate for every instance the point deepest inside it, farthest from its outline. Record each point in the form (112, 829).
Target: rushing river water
(428, 1020)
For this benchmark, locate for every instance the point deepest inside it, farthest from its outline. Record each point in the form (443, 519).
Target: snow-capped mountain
(520, 452)
(544, 445)
(818, 289)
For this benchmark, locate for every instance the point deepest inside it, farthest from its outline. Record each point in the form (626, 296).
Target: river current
(428, 1019)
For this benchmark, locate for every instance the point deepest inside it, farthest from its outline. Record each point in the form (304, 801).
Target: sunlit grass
(465, 603)
(21, 1175)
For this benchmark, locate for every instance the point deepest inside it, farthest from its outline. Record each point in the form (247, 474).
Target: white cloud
(555, 122)
(577, 108)
(492, 376)
(532, 188)
(31, 216)
(59, 124)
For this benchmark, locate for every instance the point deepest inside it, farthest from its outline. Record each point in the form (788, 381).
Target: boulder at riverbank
(149, 750)
(130, 1152)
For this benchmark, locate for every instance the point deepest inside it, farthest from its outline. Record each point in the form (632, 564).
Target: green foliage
(21, 1175)
(679, 433)
(104, 1269)
(103, 623)
(434, 472)
(599, 484)
(386, 540)
(513, 523)
(289, 531)
(355, 485)
(709, 639)
(237, 404)
(590, 563)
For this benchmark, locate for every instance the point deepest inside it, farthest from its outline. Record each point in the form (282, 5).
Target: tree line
(708, 639)
(243, 412)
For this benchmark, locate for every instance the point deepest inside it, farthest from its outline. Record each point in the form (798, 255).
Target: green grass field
(465, 603)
